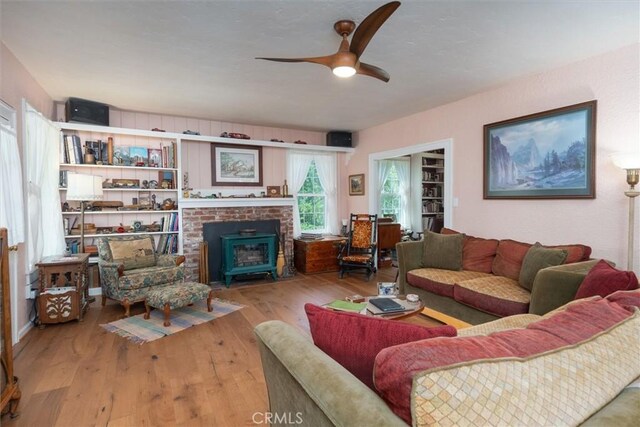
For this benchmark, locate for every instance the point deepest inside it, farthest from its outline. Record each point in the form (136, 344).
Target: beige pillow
(138, 253)
(537, 258)
(442, 251)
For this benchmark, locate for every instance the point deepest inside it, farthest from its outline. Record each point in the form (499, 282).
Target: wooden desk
(316, 256)
(69, 272)
(388, 235)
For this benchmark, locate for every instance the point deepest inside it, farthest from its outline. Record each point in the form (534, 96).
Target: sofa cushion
(439, 281)
(354, 340)
(509, 257)
(603, 279)
(150, 276)
(575, 252)
(496, 295)
(559, 387)
(133, 253)
(477, 253)
(395, 367)
(537, 258)
(442, 251)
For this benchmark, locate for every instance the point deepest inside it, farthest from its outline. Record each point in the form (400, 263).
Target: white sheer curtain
(298, 164)
(327, 174)
(384, 168)
(403, 168)
(46, 235)
(11, 202)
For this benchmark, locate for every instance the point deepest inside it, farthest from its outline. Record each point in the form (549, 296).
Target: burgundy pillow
(353, 340)
(509, 258)
(603, 279)
(477, 253)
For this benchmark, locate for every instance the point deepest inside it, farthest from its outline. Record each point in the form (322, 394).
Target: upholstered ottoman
(175, 296)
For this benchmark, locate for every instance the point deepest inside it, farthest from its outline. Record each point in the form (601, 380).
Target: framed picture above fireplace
(236, 165)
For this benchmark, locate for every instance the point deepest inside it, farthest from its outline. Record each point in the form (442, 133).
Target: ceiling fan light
(344, 71)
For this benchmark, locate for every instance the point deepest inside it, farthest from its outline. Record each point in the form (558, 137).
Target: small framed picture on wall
(356, 185)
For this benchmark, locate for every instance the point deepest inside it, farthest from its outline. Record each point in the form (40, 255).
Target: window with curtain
(390, 202)
(313, 183)
(394, 184)
(312, 202)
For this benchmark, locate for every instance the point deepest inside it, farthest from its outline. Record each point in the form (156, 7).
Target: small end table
(63, 288)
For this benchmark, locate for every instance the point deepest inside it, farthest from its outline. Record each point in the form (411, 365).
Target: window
(390, 195)
(312, 203)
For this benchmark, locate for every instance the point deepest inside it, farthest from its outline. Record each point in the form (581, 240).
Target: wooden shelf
(154, 190)
(118, 212)
(89, 236)
(197, 138)
(143, 168)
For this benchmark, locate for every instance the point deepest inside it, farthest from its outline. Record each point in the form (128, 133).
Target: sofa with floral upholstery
(130, 267)
(576, 365)
(478, 280)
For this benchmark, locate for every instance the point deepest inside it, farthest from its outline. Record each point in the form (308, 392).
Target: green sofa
(309, 387)
(552, 287)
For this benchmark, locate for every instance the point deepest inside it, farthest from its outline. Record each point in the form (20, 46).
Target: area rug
(140, 331)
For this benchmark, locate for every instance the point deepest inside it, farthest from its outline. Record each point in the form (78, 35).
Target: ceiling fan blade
(322, 60)
(373, 71)
(366, 30)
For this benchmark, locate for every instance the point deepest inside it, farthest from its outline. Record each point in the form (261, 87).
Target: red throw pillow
(603, 279)
(509, 257)
(354, 340)
(477, 253)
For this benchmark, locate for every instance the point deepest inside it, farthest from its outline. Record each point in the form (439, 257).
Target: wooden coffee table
(445, 318)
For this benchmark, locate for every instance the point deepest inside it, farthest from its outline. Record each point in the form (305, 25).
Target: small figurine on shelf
(185, 185)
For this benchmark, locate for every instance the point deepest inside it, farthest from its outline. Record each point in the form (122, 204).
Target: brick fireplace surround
(194, 218)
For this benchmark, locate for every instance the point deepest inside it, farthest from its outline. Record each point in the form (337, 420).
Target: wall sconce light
(631, 163)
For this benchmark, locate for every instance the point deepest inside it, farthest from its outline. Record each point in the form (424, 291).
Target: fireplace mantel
(234, 202)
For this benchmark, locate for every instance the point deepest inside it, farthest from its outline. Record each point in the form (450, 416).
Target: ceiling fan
(346, 61)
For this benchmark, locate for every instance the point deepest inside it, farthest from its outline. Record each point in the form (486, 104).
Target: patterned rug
(140, 331)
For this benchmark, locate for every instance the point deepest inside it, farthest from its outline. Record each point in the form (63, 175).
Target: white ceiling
(196, 59)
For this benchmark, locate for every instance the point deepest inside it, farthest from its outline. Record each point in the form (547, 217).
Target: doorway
(419, 204)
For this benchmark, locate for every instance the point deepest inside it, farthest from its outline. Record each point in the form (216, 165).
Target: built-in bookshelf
(428, 170)
(140, 176)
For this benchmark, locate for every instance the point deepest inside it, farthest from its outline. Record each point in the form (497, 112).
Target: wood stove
(248, 254)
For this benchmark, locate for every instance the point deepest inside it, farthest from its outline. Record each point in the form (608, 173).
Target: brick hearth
(194, 218)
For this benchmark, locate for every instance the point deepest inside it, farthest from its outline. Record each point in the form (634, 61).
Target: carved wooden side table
(63, 288)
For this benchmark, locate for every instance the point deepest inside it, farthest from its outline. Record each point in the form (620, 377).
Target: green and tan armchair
(130, 267)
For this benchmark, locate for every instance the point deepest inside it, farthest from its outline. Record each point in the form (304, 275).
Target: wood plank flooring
(78, 374)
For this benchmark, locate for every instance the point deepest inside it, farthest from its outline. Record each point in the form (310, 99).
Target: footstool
(175, 296)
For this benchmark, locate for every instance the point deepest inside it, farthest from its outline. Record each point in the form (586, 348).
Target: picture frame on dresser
(546, 155)
(236, 165)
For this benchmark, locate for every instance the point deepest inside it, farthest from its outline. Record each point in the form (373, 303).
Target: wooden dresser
(389, 234)
(316, 256)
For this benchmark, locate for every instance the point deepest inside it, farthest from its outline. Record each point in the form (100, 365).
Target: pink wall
(612, 79)
(16, 83)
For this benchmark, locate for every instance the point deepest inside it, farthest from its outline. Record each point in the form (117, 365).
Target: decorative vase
(280, 263)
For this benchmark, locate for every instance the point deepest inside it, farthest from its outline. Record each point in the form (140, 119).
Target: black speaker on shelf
(83, 111)
(338, 139)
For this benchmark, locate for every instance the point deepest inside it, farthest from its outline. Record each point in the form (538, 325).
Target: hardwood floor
(78, 374)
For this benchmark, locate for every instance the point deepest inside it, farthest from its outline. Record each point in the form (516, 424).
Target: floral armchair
(360, 252)
(130, 267)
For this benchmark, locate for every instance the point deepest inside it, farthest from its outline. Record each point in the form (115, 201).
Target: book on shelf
(342, 305)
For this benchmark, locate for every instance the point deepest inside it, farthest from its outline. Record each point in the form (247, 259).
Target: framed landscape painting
(356, 185)
(547, 155)
(236, 165)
